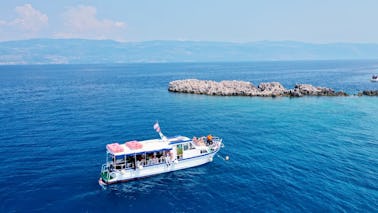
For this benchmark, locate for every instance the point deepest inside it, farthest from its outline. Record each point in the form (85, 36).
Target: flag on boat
(157, 127)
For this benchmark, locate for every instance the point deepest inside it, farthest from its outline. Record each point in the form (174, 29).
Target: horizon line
(199, 41)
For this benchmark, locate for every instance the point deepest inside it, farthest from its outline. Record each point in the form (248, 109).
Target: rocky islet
(244, 88)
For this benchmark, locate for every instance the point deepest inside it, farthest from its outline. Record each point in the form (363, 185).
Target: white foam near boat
(374, 78)
(138, 159)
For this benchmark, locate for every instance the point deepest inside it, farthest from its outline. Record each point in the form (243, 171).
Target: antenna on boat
(158, 130)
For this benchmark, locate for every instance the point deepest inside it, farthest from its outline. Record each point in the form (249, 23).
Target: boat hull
(143, 172)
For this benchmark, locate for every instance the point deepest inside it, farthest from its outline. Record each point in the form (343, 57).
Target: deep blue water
(286, 154)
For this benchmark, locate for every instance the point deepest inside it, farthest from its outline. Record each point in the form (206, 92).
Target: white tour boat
(138, 159)
(374, 78)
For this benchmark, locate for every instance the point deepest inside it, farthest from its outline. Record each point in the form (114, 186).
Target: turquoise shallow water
(286, 154)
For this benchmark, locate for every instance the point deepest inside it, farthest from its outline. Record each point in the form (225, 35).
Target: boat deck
(150, 145)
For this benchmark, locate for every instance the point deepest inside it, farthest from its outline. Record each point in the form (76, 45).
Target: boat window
(118, 162)
(110, 157)
(152, 158)
(191, 146)
(130, 162)
(186, 146)
(141, 160)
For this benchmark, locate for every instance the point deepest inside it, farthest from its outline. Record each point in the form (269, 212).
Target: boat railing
(215, 144)
(202, 141)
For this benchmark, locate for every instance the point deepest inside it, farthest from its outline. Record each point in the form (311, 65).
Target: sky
(313, 21)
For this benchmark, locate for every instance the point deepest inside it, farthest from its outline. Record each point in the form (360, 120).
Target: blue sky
(315, 21)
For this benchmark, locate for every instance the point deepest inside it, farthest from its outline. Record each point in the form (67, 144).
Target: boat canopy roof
(178, 139)
(152, 145)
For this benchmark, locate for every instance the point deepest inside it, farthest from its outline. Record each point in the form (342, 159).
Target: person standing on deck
(209, 139)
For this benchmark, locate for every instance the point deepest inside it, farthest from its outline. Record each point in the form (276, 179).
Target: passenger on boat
(199, 141)
(209, 139)
(195, 140)
(168, 159)
(133, 165)
(155, 160)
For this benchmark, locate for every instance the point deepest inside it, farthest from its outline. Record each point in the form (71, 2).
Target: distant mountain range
(81, 51)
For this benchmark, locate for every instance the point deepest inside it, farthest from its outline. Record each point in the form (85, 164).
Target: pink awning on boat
(134, 145)
(115, 147)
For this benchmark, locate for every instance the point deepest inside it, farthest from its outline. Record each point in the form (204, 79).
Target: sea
(309, 154)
